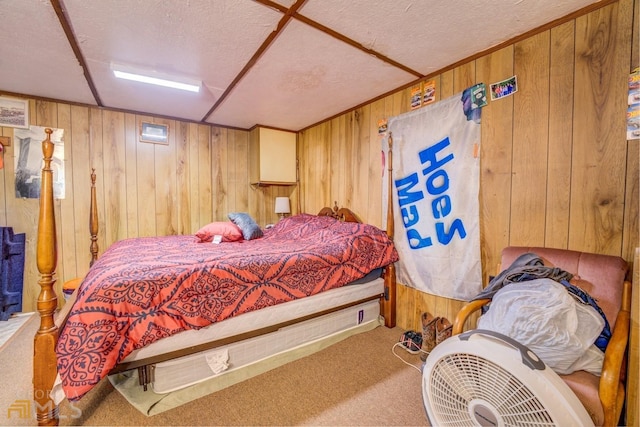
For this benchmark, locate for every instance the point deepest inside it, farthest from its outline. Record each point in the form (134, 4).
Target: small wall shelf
(271, 183)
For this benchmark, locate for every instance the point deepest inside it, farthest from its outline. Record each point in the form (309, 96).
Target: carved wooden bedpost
(44, 357)
(389, 309)
(93, 220)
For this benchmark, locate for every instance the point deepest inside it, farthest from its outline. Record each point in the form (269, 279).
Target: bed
(56, 348)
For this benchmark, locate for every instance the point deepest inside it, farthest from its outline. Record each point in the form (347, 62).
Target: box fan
(483, 378)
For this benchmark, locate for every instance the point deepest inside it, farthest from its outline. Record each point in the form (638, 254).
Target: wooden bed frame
(44, 356)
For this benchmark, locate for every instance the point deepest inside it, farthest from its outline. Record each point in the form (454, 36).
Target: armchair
(604, 278)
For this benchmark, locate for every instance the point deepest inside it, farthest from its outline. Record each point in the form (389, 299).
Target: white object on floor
(9, 327)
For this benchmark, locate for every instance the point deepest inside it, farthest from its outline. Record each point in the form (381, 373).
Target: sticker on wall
(416, 97)
(429, 92)
(382, 126)
(504, 88)
(478, 96)
(28, 162)
(633, 111)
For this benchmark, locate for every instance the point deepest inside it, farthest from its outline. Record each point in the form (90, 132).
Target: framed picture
(154, 133)
(14, 112)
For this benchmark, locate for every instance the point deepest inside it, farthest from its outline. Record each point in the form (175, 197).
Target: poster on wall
(29, 163)
(435, 197)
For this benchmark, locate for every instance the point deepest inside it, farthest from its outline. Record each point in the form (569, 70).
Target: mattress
(346, 321)
(189, 370)
(268, 316)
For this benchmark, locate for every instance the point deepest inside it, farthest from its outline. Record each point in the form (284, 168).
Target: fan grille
(467, 390)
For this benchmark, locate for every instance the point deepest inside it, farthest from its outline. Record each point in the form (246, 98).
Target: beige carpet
(8, 328)
(357, 381)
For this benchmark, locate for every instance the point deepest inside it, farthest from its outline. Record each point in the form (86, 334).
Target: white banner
(435, 198)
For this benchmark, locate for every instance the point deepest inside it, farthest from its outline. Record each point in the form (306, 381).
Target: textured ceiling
(285, 64)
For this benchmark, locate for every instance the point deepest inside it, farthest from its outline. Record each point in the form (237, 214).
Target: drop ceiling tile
(305, 77)
(285, 3)
(35, 57)
(427, 36)
(208, 41)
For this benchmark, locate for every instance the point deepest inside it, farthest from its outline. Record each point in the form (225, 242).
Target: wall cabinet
(272, 157)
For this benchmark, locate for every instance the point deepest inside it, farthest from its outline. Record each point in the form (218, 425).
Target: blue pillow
(250, 230)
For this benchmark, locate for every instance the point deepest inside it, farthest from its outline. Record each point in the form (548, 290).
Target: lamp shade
(282, 205)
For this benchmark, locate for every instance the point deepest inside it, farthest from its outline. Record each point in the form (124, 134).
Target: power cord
(408, 344)
(411, 341)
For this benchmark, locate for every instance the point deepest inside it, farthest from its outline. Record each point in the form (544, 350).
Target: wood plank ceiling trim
(68, 31)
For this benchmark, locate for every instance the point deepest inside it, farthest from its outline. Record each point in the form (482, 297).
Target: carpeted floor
(8, 328)
(358, 381)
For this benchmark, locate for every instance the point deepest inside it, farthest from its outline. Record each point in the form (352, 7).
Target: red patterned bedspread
(144, 289)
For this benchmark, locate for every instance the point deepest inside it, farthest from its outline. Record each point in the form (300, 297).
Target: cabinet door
(273, 155)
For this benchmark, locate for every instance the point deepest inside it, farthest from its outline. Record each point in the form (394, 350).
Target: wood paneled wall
(556, 169)
(143, 189)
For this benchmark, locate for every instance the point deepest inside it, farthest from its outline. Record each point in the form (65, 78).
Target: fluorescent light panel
(127, 75)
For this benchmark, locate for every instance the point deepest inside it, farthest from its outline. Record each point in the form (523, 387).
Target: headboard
(342, 214)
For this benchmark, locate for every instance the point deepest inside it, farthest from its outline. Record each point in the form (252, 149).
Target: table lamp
(282, 206)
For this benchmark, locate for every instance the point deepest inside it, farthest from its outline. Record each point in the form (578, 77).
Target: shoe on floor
(443, 329)
(428, 334)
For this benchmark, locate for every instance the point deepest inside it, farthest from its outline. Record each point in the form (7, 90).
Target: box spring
(189, 370)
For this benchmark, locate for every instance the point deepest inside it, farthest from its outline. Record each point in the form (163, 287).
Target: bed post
(93, 219)
(44, 357)
(389, 305)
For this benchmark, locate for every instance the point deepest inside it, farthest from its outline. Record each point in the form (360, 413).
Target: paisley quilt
(144, 289)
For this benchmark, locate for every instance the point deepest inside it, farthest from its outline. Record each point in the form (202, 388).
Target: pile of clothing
(539, 307)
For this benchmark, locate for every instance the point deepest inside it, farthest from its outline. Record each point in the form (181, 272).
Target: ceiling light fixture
(165, 81)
